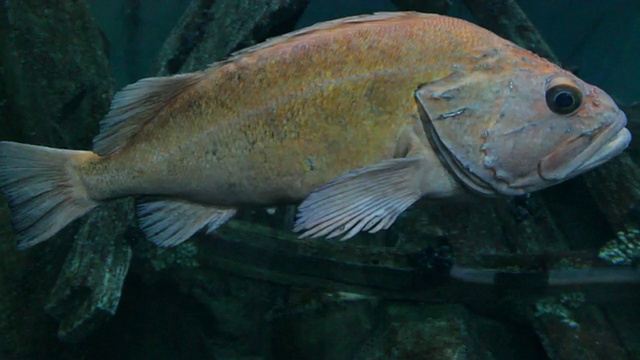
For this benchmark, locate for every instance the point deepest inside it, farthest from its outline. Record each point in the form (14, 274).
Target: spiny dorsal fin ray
(137, 104)
(320, 27)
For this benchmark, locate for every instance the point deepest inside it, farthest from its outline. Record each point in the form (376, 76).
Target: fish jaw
(610, 143)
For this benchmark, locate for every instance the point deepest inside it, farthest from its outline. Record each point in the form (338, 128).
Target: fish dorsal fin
(135, 106)
(320, 28)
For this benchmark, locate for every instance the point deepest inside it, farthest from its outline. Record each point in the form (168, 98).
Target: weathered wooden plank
(210, 30)
(506, 18)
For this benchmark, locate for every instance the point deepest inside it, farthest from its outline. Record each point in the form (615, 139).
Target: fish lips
(582, 153)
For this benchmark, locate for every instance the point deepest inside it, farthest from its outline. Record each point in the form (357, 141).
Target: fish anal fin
(368, 199)
(169, 222)
(135, 106)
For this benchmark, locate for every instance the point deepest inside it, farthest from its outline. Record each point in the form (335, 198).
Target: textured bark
(576, 331)
(616, 188)
(55, 86)
(87, 292)
(210, 30)
(426, 6)
(55, 73)
(616, 185)
(507, 19)
(402, 273)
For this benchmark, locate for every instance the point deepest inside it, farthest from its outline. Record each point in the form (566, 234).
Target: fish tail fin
(43, 189)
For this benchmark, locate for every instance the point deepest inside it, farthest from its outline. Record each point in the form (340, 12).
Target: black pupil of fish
(564, 100)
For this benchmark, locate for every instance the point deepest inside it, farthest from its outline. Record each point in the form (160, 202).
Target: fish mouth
(617, 143)
(609, 142)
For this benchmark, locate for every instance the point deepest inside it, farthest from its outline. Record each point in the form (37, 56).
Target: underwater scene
(319, 179)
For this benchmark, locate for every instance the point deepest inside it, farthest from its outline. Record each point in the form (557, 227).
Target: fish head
(517, 128)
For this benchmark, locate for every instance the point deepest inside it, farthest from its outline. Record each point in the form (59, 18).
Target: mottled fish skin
(359, 117)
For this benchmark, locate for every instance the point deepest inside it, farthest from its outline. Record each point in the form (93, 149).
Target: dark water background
(598, 37)
(255, 292)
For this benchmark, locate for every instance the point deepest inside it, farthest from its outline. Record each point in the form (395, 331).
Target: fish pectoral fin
(368, 199)
(136, 105)
(170, 222)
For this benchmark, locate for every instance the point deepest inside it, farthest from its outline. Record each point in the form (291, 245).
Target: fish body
(357, 118)
(284, 118)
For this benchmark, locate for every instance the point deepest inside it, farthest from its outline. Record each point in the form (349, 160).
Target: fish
(352, 119)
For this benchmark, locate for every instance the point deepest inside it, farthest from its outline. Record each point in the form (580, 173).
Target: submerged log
(210, 30)
(507, 19)
(264, 253)
(55, 85)
(425, 6)
(571, 330)
(89, 286)
(616, 188)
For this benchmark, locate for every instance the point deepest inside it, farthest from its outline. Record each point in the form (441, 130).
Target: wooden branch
(210, 30)
(425, 6)
(506, 18)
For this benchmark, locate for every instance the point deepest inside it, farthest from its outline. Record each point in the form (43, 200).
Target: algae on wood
(88, 289)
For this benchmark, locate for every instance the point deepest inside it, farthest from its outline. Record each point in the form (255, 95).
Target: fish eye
(563, 98)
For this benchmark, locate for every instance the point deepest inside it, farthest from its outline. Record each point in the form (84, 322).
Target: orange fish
(357, 118)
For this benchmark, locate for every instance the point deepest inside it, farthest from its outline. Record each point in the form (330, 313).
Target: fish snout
(590, 148)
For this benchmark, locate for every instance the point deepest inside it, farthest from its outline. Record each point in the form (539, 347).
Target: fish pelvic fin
(43, 189)
(169, 222)
(135, 106)
(368, 199)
